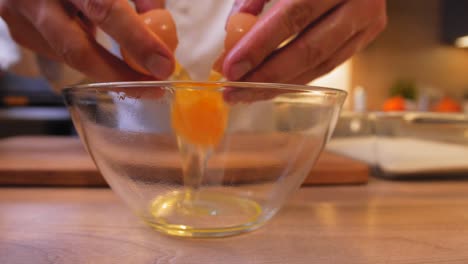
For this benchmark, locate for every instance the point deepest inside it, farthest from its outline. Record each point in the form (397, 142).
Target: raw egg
(162, 24)
(200, 116)
(237, 26)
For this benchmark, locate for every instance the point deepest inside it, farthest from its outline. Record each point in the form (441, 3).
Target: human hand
(326, 33)
(64, 30)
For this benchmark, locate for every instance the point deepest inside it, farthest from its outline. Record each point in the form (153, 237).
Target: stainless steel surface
(16, 121)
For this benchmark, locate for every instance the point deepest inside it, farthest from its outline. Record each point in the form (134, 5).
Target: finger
(253, 7)
(143, 6)
(122, 23)
(76, 14)
(284, 20)
(76, 48)
(24, 33)
(87, 24)
(313, 46)
(354, 45)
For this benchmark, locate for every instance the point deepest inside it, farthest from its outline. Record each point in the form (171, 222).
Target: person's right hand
(64, 30)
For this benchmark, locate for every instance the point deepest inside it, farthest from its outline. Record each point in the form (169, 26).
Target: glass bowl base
(204, 214)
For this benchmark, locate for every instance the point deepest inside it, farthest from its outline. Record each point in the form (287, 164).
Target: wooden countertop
(63, 162)
(379, 223)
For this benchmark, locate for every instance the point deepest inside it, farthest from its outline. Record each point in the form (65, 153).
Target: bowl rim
(170, 84)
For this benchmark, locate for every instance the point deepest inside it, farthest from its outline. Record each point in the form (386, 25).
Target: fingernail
(239, 69)
(248, 6)
(160, 66)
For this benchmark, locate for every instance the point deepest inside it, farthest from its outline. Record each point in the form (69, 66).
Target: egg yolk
(238, 25)
(161, 23)
(200, 116)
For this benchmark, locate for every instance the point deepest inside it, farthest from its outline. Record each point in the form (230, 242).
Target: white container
(360, 100)
(409, 145)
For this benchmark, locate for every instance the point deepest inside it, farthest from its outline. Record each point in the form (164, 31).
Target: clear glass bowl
(273, 134)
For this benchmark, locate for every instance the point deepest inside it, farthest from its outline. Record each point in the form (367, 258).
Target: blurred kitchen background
(422, 57)
(419, 64)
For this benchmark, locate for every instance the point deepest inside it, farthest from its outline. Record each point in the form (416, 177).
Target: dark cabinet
(454, 20)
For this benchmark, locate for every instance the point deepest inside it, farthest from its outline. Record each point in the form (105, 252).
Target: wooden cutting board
(62, 161)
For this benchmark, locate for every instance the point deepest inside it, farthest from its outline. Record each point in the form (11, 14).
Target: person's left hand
(326, 33)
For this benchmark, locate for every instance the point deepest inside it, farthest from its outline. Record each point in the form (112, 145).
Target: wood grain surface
(378, 223)
(52, 161)
(62, 161)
